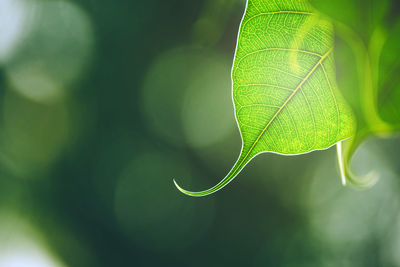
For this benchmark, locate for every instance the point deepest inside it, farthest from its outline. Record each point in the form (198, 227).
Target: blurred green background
(101, 107)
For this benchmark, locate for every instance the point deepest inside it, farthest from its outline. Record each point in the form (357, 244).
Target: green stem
(345, 151)
(366, 62)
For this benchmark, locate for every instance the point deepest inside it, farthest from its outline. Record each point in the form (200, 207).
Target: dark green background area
(153, 103)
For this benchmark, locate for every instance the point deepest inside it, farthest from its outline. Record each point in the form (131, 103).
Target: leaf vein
(284, 105)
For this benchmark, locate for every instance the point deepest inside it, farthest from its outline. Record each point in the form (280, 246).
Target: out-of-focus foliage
(368, 37)
(87, 159)
(387, 74)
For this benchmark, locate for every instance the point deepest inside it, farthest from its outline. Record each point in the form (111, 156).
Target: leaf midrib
(233, 172)
(322, 58)
(242, 161)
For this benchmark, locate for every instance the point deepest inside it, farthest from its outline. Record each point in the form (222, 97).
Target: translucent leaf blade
(284, 88)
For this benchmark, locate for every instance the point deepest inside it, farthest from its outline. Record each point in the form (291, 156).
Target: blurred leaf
(362, 16)
(284, 87)
(368, 64)
(372, 34)
(388, 79)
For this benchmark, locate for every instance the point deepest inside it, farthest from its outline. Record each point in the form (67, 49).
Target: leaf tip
(176, 185)
(183, 190)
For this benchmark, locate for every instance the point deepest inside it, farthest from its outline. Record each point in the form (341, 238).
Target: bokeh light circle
(54, 53)
(187, 97)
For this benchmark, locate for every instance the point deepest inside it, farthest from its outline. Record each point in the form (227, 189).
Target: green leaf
(284, 88)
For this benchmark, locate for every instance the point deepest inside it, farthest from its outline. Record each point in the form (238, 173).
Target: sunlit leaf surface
(284, 89)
